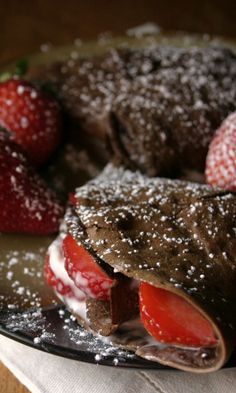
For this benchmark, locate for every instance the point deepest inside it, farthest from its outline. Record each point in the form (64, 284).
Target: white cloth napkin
(44, 373)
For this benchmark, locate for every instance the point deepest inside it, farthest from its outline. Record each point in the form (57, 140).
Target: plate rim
(77, 354)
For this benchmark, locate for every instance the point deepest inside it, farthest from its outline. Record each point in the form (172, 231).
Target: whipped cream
(76, 303)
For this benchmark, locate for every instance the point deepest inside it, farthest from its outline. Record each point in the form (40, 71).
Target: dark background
(25, 24)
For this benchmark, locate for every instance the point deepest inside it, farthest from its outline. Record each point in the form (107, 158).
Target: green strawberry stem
(20, 69)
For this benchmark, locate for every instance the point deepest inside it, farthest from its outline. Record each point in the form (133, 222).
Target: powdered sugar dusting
(27, 305)
(221, 158)
(159, 230)
(166, 102)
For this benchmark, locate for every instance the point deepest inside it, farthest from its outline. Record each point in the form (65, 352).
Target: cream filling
(127, 332)
(77, 303)
(77, 307)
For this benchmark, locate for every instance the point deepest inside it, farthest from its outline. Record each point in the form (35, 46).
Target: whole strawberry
(221, 158)
(27, 204)
(32, 119)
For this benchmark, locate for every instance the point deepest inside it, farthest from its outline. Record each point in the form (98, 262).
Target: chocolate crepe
(104, 317)
(172, 234)
(157, 108)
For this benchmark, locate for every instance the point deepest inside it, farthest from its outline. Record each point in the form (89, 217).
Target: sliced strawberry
(221, 158)
(27, 204)
(32, 119)
(57, 277)
(84, 271)
(171, 319)
(55, 282)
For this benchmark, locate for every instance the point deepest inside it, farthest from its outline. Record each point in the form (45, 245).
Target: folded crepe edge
(179, 357)
(226, 341)
(167, 354)
(224, 333)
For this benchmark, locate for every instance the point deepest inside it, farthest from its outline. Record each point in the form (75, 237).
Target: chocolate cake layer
(157, 108)
(172, 234)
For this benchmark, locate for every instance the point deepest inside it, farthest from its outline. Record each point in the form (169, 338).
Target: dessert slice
(100, 299)
(174, 242)
(157, 108)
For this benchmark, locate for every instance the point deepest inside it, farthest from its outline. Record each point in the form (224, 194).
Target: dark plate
(57, 340)
(31, 314)
(29, 311)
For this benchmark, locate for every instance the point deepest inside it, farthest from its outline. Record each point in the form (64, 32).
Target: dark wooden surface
(26, 24)
(8, 383)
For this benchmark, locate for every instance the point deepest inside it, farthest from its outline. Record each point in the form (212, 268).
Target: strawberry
(59, 280)
(72, 199)
(27, 204)
(55, 282)
(32, 119)
(87, 275)
(221, 159)
(171, 319)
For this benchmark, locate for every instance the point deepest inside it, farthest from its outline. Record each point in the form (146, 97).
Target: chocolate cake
(155, 108)
(172, 234)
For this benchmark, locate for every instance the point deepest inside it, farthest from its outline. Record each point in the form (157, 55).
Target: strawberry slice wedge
(55, 282)
(56, 276)
(84, 271)
(172, 320)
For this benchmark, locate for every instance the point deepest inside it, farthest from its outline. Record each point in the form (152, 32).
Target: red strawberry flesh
(55, 282)
(84, 270)
(72, 199)
(171, 319)
(56, 275)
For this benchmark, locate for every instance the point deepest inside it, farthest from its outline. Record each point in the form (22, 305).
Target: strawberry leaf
(20, 69)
